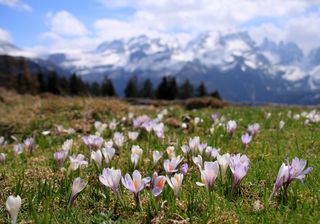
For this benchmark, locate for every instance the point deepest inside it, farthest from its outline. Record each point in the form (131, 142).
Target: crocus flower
(100, 127)
(133, 135)
(2, 141)
(246, 139)
(60, 157)
(159, 130)
(96, 156)
(113, 124)
(201, 147)
(2, 157)
(93, 141)
(136, 153)
(198, 161)
(184, 168)
(156, 155)
(157, 184)
(290, 172)
(108, 153)
(223, 161)
(108, 144)
(29, 143)
(231, 127)
(17, 149)
(239, 166)
(118, 139)
(111, 178)
(170, 166)
(67, 145)
(77, 186)
(281, 124)
(215, 152)
(209, 174)
(135, 184)
(13, 205)
(171, 152)
(194, 143)
(185, 149)
(214, 116)
(76, 162)
(253, 129)
(175, 183)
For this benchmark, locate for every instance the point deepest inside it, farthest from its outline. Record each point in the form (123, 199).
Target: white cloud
(16, 4)
(5, 35)
(268, 30)
(184, 19)
(304, 30)
(204, 14)
(64, 23)
(194, 16)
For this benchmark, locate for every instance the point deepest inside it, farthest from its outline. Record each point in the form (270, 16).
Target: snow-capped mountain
(233, 64)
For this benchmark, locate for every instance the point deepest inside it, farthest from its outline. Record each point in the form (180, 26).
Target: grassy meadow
(45, 189)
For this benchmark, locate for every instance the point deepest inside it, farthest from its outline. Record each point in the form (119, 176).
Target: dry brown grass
(16, 111)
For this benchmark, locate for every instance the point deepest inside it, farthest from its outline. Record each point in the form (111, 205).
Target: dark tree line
(24, 82)
(167, 89)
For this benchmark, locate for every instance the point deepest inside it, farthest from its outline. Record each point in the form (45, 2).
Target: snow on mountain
(228, 59)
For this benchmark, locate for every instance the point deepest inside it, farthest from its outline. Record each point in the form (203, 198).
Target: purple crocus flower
(175, 183)
(18, 149)
(77, 186)
(60, 157)
(118, 139)
(170, 166)
(209, 174)
(239, 166)
(93, 141)
(135, 184)
(111, 178)
(231, 127)
(246, 139)
(29, 143)
(253, 129)
(290, 172)
(108, 153)
(157, 184)
(184, 168)
(214, 116)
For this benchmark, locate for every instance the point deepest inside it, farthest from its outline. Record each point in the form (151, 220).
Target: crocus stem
(120, 198)
(211, 199)
(138, 203)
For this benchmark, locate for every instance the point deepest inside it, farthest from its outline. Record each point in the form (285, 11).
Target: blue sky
(43, 25)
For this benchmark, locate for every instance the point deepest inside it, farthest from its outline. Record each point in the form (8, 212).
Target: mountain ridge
(268, 71)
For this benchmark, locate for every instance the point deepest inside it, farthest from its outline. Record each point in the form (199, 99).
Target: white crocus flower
(223, 161)
(13, 205)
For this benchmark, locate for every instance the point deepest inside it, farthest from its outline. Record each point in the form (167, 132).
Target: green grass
(45, 191)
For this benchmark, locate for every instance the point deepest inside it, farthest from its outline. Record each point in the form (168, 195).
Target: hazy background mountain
(233, 64)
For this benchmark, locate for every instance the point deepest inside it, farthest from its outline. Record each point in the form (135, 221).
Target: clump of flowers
(239, 165)
(93, 142)
(290, 172)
